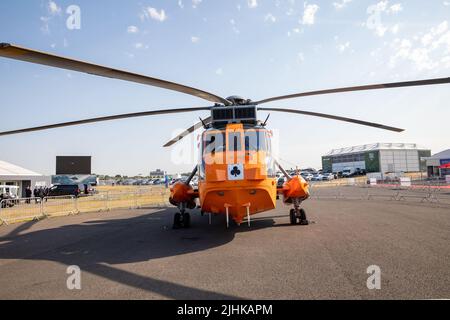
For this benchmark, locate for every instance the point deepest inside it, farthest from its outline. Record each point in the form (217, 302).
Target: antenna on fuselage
(265, 122)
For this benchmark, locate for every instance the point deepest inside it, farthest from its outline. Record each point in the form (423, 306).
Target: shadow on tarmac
(96, 246)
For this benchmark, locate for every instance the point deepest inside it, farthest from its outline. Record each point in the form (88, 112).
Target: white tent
(11, 174)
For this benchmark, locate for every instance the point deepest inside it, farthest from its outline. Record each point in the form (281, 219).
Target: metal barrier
(59, 206)
(431, 193)
(16, 210)
(24, 209)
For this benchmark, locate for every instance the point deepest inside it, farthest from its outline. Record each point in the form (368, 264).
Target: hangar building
(435, 163)
(377, 157)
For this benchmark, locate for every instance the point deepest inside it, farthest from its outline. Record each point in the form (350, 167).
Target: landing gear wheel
(177, 221)
(186, 220)
(292, 216)
(303, 220)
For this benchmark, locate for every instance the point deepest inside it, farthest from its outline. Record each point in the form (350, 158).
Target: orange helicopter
(237, 171)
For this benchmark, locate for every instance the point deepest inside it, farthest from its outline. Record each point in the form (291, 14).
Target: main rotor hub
(238, 100)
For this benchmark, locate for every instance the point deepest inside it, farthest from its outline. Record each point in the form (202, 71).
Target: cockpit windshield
(214, 142)
(255, 140)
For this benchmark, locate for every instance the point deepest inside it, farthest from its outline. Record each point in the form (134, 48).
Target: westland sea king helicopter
(237, 172)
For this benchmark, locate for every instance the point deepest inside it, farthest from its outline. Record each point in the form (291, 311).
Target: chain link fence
(25, 209)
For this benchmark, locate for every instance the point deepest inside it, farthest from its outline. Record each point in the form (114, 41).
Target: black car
(64, 190)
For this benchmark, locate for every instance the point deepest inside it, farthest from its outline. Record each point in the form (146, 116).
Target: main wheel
(292, 216)
(186, 220)
(303, 220)
(177, 220)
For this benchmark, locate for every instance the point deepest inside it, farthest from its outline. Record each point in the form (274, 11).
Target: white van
(8, 193)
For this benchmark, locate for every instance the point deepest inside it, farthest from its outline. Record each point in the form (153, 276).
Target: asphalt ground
(134, 254)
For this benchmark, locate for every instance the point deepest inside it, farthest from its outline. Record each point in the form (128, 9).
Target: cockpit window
(214, 142)
(234, 141)
(255, 140)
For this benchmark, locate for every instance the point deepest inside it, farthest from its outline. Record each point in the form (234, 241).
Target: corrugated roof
(376, 146)
(8, 169)
(441, 155)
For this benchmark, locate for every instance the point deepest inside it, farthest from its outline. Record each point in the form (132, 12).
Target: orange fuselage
(235, 176)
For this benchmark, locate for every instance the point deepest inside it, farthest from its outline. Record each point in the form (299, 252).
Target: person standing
(35, 194)
(28, 193)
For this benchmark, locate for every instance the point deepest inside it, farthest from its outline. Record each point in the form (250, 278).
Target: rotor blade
(329, 116)
(186, 132)
(360, 88)
(107, 118)
(18, 53)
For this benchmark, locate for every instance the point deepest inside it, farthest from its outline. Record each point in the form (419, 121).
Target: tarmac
(135, 254)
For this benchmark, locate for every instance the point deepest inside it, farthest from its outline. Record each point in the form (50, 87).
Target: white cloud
(309, 14)
(293, 31)
(427, 51)
(53, 8)
(395, 28)
(342, 4)
(252, 3)
(154, 14)
(446, 3)
(195, 3)
(300, 57)
(195, 39)
(270, 18)
(132, 29)
(45, 28)
(380, 30)
(180, 4)
(343, 46)
(395, 8)
(219, 71)
(376, 12)
(233, 24)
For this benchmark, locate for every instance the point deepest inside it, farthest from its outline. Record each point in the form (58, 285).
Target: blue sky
(254, 48)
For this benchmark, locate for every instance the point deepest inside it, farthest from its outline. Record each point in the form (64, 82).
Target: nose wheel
(181, 220)
(298, 216)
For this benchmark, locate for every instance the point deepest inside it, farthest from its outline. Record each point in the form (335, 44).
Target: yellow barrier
(19, 210)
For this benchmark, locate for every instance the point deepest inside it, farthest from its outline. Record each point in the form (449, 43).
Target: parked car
(328, 176)
(348, 172)
(9, 193)
(307, 176)
(317, 177)
(64, 190)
